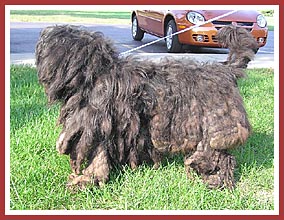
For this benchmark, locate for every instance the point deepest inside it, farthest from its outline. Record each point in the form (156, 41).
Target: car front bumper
(205, 35)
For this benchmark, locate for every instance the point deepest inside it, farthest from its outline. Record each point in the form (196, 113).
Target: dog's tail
(241, 44)
(233, 36)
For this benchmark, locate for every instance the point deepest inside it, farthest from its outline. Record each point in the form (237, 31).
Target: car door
(152, 21)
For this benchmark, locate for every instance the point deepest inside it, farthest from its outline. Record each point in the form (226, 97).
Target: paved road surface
(23, 38)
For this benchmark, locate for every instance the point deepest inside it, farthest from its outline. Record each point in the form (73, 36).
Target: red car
(165, 22)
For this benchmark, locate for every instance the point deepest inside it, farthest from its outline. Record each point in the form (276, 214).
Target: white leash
(179, 32)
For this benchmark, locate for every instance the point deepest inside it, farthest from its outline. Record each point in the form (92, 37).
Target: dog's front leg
(97, 171)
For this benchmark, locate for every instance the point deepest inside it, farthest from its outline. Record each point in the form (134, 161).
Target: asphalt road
(23, 38)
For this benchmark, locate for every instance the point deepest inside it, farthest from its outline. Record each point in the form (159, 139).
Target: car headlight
(195, 18)
(261, 21)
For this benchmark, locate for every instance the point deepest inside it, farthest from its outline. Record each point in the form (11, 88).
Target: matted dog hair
(123, 110)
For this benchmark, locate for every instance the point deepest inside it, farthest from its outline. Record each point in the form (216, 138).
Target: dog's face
(68, 58)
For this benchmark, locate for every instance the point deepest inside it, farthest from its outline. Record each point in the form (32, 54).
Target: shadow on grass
(257, 153)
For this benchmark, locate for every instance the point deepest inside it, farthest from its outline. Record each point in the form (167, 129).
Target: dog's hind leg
(216, 167)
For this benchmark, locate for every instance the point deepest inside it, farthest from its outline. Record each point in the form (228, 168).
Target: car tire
(172, 43)
(137, 33)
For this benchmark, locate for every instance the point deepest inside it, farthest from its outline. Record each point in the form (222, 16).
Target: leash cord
(179, 32)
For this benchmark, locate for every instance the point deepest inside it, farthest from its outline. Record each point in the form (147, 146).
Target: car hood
(242, 15)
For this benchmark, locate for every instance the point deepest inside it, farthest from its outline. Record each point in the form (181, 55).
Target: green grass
(95, 17)
(270, 23)
(39, 173)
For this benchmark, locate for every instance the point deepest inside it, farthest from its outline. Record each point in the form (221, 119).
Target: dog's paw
(82, 182)
(218, 181)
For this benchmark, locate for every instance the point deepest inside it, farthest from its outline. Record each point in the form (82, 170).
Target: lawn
(95, 17)
(38, 174)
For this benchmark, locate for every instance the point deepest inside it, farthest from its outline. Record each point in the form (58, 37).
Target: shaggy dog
(122, 110)
(241, 44)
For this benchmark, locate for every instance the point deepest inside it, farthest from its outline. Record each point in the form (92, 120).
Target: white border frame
(8, 8)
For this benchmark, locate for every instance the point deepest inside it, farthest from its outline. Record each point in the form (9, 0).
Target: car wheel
(172, 43)
(137, 33)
